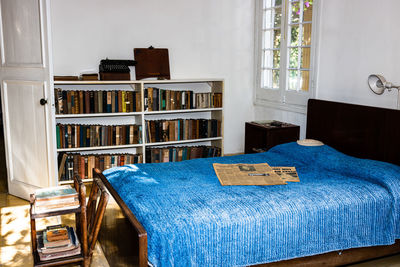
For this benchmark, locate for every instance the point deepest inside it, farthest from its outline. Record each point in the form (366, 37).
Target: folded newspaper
(288, 174)
(254, 174)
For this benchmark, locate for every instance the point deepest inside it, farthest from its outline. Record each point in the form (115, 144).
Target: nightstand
(262, 135)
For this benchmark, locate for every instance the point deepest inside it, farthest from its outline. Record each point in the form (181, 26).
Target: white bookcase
(139, 118)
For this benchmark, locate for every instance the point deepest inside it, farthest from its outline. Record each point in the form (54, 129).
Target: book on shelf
(49, 250)
(53, 193)
(56, 233)
(46, 247)
(89, 77)
(181, 129)
(80, 135)
(156, 99)
(61, 159)
(65, 78)
(96, 101)
(84, 164)
(55, 199)
(56, 238)
(173, 154)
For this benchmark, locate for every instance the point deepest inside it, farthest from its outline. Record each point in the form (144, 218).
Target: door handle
(43, 101)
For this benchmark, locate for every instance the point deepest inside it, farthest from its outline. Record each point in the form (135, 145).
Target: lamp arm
(398, 97)
(390, 86)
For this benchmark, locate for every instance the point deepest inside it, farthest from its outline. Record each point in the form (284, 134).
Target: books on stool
(56, 242)
(56, 199)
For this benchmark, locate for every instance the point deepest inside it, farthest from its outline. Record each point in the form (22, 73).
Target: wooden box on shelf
(80, 227)
(263, 135)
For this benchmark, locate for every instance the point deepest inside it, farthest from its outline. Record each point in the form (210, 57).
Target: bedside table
(263, 135)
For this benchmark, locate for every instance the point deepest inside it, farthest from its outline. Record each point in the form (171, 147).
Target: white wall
(357, 38)
(206, 39)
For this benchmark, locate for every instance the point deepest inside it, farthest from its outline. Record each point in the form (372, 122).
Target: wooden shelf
(94, 82)
(65, 260)
(125, 114)
(89, 115)
(181, 81)
(54, 213)
(76, 149)
(80, 228)
(138, 81)
(160, 112)
(184, 141)
(71, 181)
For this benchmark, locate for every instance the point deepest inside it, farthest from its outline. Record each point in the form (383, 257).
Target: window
(285, 50)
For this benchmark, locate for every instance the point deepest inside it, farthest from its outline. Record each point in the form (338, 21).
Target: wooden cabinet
(261, 136)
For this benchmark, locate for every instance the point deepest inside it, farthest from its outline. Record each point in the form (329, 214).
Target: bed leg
(143, 250)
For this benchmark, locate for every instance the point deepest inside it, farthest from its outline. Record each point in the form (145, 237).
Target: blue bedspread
(191, 220)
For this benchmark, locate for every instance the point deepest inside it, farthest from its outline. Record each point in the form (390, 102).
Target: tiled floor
(15, 248)
(15, 241)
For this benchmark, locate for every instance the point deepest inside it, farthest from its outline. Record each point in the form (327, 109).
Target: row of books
(85, 102)
(71, 163)
(57, 241)
(181, 129)
(79, 135)
(173, 154)
(163, 99)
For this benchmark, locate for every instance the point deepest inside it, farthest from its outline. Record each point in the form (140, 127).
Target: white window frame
(282, 98)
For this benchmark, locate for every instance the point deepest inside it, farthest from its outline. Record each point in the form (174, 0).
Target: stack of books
(56, 242)
(56, 199)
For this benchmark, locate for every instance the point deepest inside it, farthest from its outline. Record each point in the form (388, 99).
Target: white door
(25, 73)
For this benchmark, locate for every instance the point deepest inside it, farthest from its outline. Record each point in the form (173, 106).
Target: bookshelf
(212, 109)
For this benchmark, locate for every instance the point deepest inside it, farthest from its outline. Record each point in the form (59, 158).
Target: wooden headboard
(360, 131)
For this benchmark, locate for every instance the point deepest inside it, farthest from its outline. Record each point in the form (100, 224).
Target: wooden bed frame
(361, 131)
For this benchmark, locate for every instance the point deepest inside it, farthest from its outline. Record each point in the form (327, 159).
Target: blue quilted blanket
(341, 202)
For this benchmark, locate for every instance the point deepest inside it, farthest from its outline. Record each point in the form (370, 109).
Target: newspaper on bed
(288, 174)
(247, 174)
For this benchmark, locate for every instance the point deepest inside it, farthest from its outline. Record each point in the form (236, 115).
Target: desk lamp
(378, 85)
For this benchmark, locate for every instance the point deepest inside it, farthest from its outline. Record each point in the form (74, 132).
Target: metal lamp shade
(377, 83)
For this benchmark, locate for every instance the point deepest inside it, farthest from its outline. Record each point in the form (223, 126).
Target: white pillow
(309, 142)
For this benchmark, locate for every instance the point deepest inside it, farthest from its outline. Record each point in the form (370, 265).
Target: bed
(344, 210)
